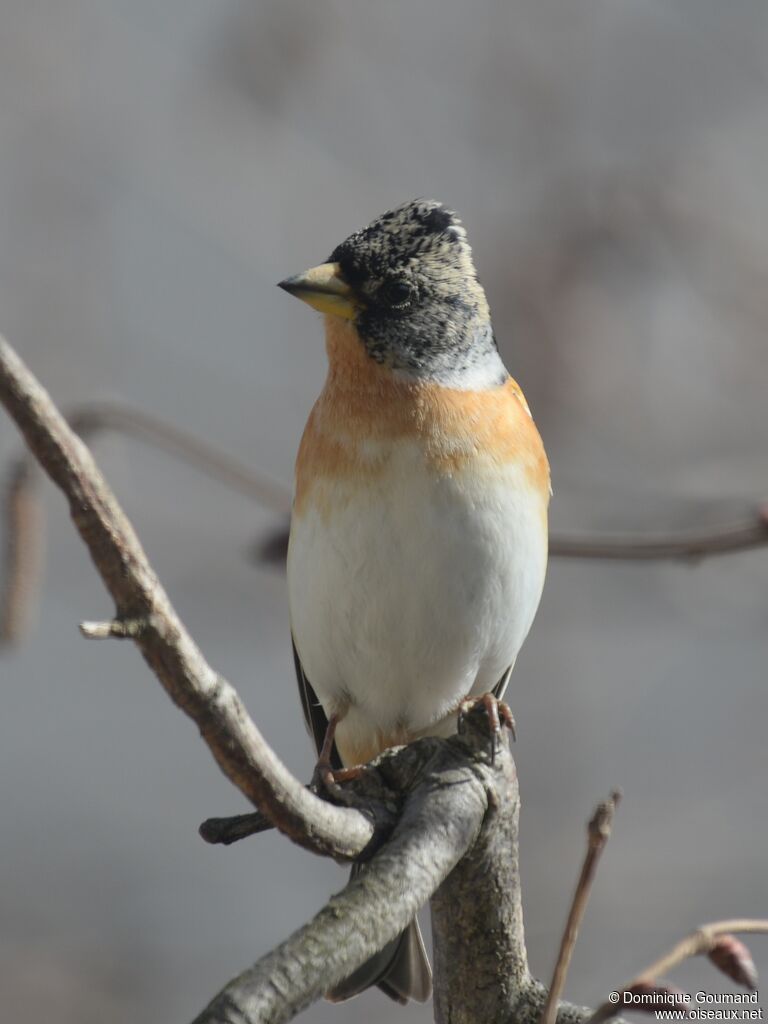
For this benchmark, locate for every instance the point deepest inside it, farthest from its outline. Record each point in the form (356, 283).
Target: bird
(418, 536)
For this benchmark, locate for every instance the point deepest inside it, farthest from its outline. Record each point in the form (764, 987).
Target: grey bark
(442, 788)
(478, 909)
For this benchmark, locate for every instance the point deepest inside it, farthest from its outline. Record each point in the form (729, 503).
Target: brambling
(418, 541)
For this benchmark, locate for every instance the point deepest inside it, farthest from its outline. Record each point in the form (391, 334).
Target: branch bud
(732, 957)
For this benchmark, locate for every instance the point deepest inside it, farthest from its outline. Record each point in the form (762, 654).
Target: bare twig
(90, 420)
(598, 833)
(704, 940)
(225, 831)
(235, 742)
(693, 547)
(679, 547)
(24, 536)
(119, 629)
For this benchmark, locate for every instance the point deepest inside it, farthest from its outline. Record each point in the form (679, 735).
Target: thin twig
(24, 543)
(225, 831)
(701, 941)
(117, 629)
(89, 420)
(233, 738)
(721, 540)
(680, 547)
(598, 833)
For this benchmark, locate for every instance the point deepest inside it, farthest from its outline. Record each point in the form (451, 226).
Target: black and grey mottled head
(420, 307)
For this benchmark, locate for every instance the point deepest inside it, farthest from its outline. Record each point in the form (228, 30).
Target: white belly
(413, 591)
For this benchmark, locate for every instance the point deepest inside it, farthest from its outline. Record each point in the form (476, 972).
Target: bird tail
(401, 969)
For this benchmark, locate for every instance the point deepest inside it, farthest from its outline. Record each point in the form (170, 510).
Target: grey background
(161, 166)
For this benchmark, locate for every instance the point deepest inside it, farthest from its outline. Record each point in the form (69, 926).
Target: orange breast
(364, 410)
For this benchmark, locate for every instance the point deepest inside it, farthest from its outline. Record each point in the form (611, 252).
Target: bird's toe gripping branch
(489, 714)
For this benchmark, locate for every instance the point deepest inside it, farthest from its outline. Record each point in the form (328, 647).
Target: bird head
(408, 283)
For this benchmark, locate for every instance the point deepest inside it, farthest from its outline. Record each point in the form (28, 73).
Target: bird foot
(326, 779)
(498, 713)
(325, 775)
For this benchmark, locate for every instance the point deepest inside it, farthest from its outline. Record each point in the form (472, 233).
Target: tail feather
(401, 969)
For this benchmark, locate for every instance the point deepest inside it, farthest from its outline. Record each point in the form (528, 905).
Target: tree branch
(456, 841)
(211, 702)
(477, 918)
(446, 786)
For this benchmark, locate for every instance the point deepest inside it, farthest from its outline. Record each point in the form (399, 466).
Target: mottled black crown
(402, 237)
(421, 307)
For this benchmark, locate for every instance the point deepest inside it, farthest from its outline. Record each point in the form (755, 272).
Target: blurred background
(162, 165)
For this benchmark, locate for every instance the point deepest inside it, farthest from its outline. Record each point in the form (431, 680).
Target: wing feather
(314, 716)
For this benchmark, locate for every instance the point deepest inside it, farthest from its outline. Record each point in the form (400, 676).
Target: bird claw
(326, 779)
(498, 713)
(322, 778)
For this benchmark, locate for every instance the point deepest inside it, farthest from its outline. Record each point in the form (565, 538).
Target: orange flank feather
(364, 405)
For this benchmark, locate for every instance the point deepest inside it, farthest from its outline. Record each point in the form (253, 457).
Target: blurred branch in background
(23, 519)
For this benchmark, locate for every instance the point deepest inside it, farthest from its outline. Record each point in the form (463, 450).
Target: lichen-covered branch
(233, 738)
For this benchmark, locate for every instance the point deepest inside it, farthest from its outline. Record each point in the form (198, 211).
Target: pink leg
(324, 774)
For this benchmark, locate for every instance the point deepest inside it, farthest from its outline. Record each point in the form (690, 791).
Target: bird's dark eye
(395, 293)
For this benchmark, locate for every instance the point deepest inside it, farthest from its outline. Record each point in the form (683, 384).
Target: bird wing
(314, 716)
(500, 687)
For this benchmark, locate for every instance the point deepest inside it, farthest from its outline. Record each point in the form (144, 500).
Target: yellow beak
(323, 288)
